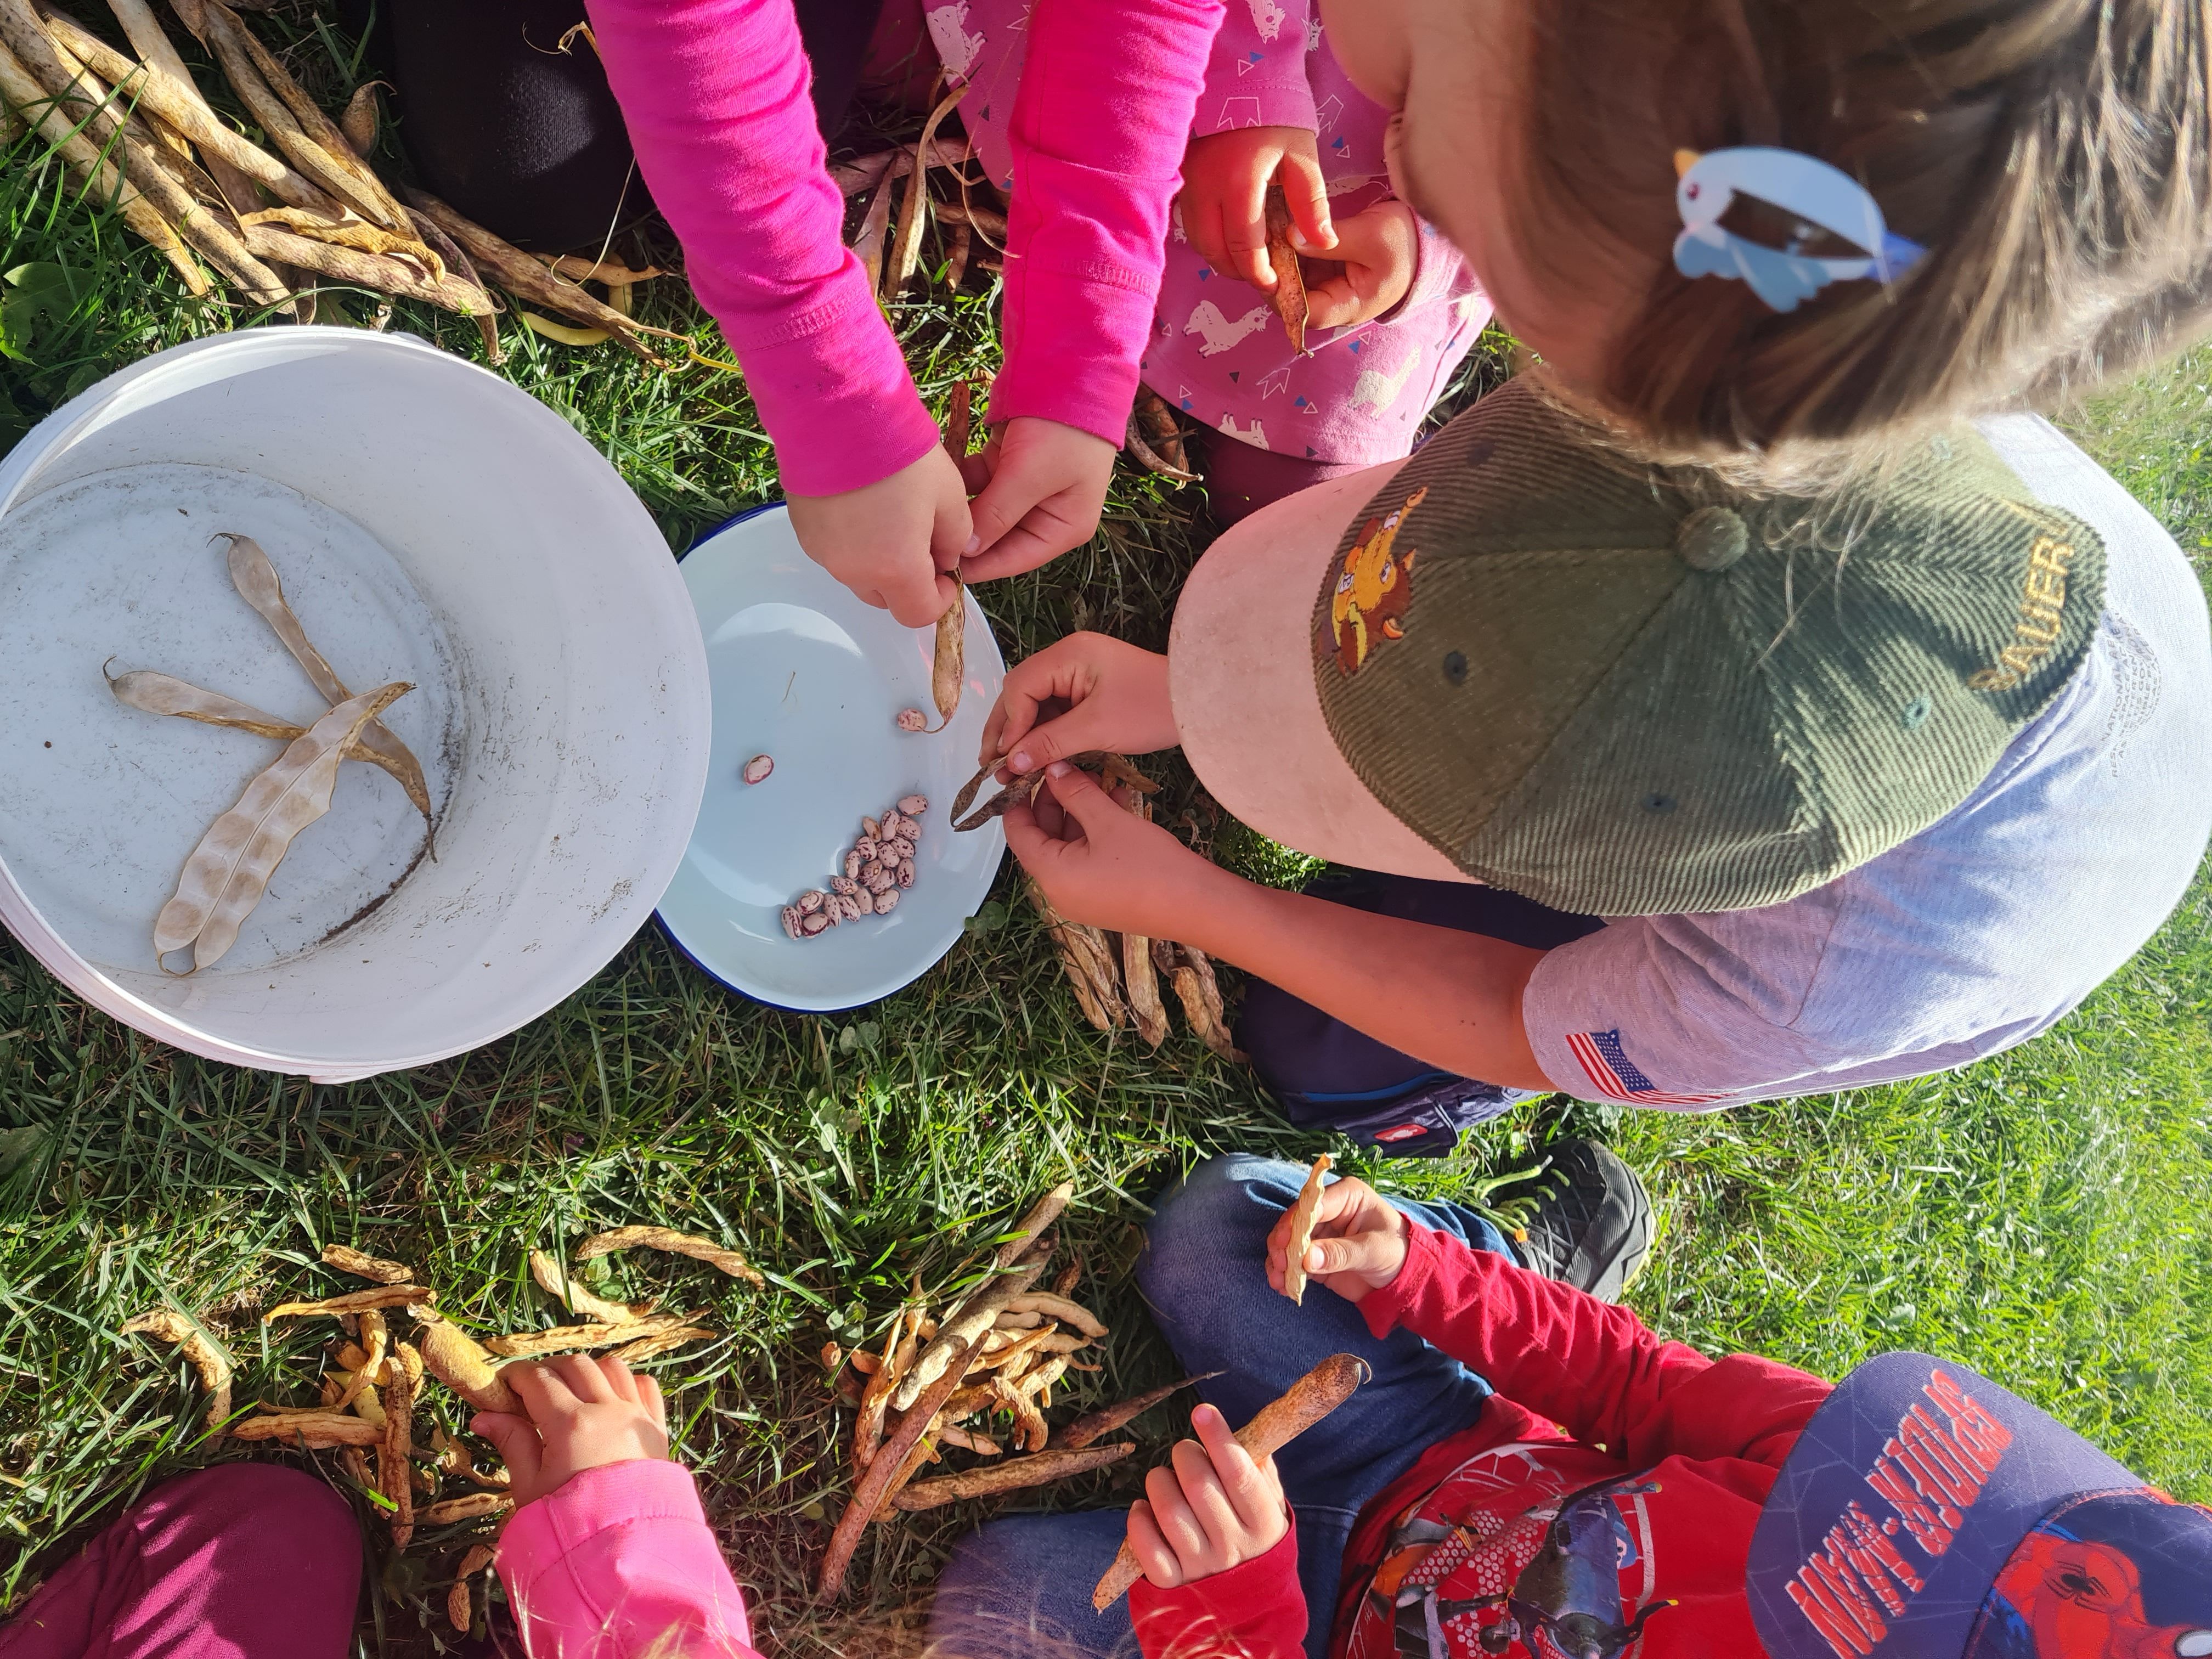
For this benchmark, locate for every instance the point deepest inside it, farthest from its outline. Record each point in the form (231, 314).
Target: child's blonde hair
(2053, 156)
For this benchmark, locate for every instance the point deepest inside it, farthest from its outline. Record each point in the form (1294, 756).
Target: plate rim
(667, 926)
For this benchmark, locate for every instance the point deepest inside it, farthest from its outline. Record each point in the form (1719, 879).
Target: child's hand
(1039, 487)
(1115, 694)
(1208, 1509)
(584, 1412)
(1380, 249)
(1101, 864)
(1358, 1246)
(1226, 177)
(892, 541)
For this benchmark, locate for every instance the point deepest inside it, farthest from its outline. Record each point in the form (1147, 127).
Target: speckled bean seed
(913, 806)
(811, 900)
(757, 768)
(912, 720)
(844, 884)
(790, 921)
(814, 924)
(906, 873)
(886, 900)
(870, 830)
(853, 864)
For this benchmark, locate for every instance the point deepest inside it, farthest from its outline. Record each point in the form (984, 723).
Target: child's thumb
(1361, 1253)
(520, 1448)
(1078, 791)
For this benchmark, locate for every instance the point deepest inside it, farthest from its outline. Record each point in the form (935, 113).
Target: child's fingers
(1086, 803)
(542, 1392)
(914, 592)
(648, 1395)
(1244, 230)
(1206, 1494)
(1171, 1513)
(1152, 1550)
(1251, 1497)
(619, 1378)
(520, 1448)
(1305, 192)
(581, 1375)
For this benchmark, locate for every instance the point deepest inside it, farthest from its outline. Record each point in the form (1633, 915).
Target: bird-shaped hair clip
(1787, 223)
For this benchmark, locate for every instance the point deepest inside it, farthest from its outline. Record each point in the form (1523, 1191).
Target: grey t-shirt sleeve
(1689, 1012)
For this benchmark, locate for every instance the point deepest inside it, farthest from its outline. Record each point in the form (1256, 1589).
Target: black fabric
(1324, 1073)
(528, 140)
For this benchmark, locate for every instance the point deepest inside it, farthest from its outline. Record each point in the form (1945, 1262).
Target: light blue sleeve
(1984, 930)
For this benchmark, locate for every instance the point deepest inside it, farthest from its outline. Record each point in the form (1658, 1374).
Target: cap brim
(1946, 1472)
(1241, 676)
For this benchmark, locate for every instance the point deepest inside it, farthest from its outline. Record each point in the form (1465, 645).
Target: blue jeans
(1021, 1586)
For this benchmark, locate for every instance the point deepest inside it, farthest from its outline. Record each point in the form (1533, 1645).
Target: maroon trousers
(240, 1561)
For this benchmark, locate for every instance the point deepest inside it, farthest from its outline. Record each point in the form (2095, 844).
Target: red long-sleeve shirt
(1663, 1456)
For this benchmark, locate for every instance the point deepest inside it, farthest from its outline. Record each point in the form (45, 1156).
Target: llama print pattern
(1216, 351)
(1377, 392)
(957, 49)
(1221, 333)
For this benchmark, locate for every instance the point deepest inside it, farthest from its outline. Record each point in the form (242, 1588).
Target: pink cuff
(833, 391)
(1072, 356)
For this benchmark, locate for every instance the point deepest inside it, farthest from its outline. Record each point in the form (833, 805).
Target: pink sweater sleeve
(1099, 129)
(618, 1562)
(714, 94)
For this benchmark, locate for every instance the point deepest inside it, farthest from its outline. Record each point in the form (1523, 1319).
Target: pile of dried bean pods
(947, 1381)
(372, 1396)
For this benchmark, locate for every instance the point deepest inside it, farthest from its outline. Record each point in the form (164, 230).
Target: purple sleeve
(618, 1562)
(714, 93)
(1100, 124)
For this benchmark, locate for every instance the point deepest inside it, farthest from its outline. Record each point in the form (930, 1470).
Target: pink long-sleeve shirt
(619, 1563)
(714, 93)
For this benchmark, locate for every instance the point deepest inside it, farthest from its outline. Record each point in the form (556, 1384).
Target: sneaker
(1591, 1226)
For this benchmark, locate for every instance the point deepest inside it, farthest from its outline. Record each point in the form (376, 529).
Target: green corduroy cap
(1587, 684)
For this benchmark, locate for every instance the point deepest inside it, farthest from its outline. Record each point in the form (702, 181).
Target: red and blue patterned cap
(1926, 1513)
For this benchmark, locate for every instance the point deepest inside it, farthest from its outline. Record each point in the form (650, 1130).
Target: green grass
(2040, 1215)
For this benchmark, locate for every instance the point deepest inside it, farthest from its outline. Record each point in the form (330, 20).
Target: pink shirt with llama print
(1216, 350)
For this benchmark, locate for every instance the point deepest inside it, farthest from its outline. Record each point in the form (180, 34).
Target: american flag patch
(1614, 1077)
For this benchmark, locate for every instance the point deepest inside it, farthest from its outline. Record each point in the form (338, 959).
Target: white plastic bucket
(432, 523)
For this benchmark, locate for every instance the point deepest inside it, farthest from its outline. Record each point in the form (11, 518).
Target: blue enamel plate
(806, 675)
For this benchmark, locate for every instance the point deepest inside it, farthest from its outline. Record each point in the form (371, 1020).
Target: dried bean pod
(814, 924)
(913, 806)
(811, 900)
(912, 720)
(870, 829)
(906, 873)
(886, 900)
(757, 768)
(790, 921)
(844, 885)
